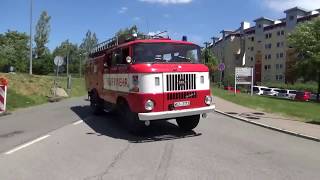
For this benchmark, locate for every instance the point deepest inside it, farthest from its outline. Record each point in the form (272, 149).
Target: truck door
(122, 70)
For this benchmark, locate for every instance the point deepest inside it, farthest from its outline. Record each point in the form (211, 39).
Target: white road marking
(77, 122)
(27, 144)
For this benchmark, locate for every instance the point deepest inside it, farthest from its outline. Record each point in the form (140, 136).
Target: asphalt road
(100, 148)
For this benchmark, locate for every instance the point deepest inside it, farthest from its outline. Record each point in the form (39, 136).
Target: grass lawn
(27, 90)
(305, 111)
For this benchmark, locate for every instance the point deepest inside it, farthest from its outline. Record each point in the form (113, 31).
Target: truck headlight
(208, 100)
(149, 105)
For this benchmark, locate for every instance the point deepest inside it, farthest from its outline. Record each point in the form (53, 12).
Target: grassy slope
(306, 111)
(25, 90)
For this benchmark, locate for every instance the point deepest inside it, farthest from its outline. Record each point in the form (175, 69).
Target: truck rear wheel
(96, 104)
(131, 119)
(188, 123)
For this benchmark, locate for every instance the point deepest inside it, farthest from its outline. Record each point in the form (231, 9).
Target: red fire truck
(148, 78)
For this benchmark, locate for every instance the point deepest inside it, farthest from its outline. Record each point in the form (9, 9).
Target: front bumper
(175, 113)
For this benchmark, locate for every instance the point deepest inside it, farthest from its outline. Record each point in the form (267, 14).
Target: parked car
(313, 97)
(258, 90)
(287, 94)
(303, 96)
(231, 89)
(271, 91)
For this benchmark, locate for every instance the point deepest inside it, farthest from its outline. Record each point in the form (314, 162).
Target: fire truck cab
(149, 78)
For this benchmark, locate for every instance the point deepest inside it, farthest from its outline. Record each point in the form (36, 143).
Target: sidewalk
(274, 121)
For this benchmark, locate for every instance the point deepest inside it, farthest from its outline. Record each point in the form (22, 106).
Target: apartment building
(262, 46)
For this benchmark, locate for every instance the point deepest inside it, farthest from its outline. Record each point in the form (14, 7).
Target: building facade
(262, 46)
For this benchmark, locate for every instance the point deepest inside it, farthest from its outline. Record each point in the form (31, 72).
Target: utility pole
(80, 64)
(30, 61)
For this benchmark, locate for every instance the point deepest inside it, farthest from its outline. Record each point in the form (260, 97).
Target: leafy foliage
(72, 51)
(42, 34)
(305, 40)
(14, 50)
(88, 42)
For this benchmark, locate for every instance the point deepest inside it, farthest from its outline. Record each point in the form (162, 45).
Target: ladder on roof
(106, 45)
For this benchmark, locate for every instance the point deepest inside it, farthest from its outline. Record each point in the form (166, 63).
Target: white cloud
(281, 5)
(123, 10)
(137, 18)
(168, 1)
(166, 15)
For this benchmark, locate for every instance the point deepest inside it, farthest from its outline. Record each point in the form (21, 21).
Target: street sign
(221, 67)
(243, 75)
(58, 60)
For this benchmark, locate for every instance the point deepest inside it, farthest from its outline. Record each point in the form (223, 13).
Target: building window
(265, 57)
(280, 66)
(278, 33)
(277, 55)
(278, 44)
(269, 56)
(281, 55)
(291, 18)
(251, 58)
(282, 32)
(268, 36)
(252, 48)
(267, 67)
(259, 26)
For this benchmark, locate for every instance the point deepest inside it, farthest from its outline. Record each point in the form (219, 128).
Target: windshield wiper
(158, 60)
(182, 57)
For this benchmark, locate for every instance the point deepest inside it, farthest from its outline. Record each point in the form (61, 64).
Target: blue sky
(198, 19)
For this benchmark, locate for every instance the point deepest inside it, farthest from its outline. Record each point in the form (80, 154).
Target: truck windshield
(166, 53)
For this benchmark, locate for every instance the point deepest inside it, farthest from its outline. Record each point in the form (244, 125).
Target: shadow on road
(110, 125)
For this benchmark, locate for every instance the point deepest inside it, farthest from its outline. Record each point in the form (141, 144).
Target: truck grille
(177, 82)
(181, 95)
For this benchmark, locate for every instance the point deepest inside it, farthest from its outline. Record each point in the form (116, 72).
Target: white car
(271, 91)
(258, 90)
(287, 94)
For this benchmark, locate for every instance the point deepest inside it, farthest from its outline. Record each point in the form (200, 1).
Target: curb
(270, 127)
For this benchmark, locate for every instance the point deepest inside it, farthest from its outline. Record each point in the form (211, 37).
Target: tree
(70, 50)
(305, 41)
(210, 60)
(125, 34)
(42, 34)
(89, 42)
(14, 50)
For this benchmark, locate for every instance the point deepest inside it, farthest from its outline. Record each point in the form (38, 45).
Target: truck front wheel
(131, 119)
(188, 123)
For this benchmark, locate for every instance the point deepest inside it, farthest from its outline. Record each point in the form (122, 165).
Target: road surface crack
(164, 162)
(99, 176)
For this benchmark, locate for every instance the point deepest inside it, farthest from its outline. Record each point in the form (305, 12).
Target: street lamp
(30, 61)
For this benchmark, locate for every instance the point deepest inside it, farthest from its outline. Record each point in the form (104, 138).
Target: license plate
(182, 104)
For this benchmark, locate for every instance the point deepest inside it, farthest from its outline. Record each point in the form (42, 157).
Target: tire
(131, 119)
(96, 104)
(188, 123)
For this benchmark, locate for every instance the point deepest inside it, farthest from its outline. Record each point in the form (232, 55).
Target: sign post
(243, 75)
(58, 61)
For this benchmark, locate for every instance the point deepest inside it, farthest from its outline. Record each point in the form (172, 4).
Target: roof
(274, 26)
(296, 9)
(263, 18)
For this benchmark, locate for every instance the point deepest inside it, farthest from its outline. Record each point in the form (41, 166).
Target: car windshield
(166, 53)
